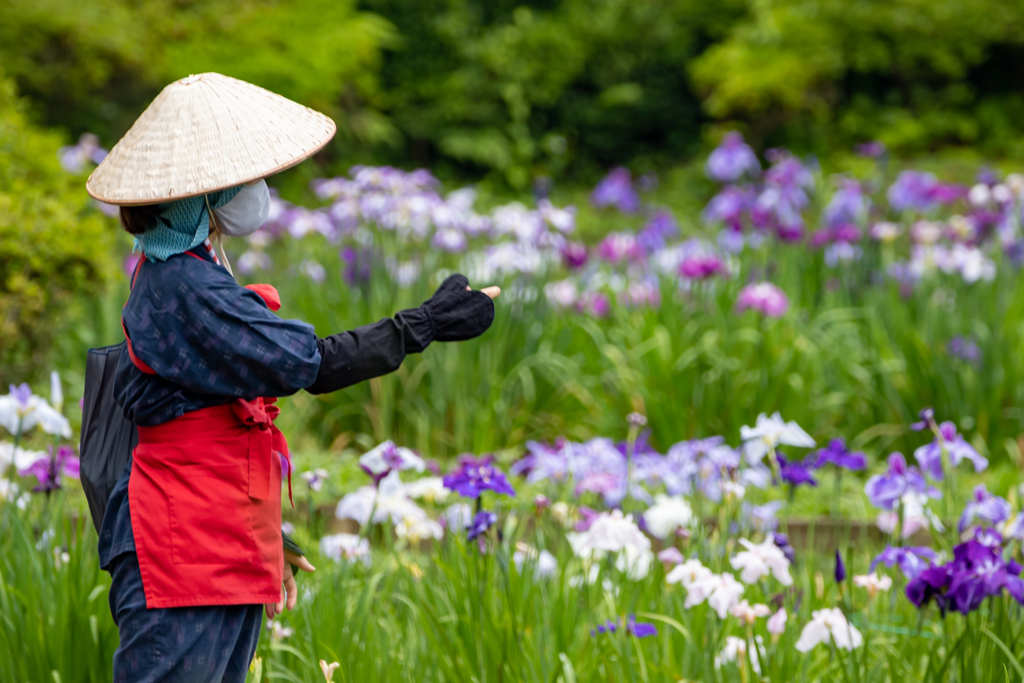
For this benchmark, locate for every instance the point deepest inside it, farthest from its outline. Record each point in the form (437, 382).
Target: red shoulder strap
(136, 361)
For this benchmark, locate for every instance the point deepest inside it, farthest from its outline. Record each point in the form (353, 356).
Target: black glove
(458, 314)
(291, 546)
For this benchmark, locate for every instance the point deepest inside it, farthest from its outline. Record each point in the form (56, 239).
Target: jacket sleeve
(196, 327)
(370, 351)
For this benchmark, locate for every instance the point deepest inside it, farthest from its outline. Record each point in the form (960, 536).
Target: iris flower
(481, 522)
(770, 432)
(985, 507)
(387, 457)
(630, 625)
(49, 469)
(760, 560)
(732, 160)
(911, 560)
(476, 475)
(885, 490)
(764, 297)
(829, 625)
(21, 410)
(930, 455)
(836, 453)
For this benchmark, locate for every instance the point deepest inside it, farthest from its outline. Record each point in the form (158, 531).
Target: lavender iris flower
(732, 160)
(49, 469)
(781, 542)
(885, 490)
(873, 150)
(476, 475)
(964, 348)
(911, 560)
(358, 265)
(848, 204)
(659, 229)
(729, 206)
(616, 189)
(762, 517)
(930, 455)
(986, 507)
(913, 190)
(837, 454)
(482, 521)
(796, 473)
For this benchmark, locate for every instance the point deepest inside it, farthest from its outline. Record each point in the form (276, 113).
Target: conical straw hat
(206, 133)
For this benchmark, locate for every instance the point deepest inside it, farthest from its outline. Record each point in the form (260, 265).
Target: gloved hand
(457, 312)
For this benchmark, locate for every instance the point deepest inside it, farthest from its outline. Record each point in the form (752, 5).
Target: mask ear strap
(217, 237)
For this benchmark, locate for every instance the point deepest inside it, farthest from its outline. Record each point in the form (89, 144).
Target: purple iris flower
(476, 475)
(873, 150)
(631, 626)
(985, 506)
(659, 229)
(840, 573)
(964, 348)
(912, 191)
(701, 266)
(885, 490)
(781, 542)
(930, 456)
(481, 522)
(732, 160)
(796, 473)
(762, 517)
(911, 560)
(49, 469)
(358, 265)
(925, 416)
(729, 206)
(587, 518)
(574, 255)
(837, 454)
(848, 204)
(616, 189)
(977, 571)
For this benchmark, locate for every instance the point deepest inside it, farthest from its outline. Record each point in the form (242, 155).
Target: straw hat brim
(207, 133)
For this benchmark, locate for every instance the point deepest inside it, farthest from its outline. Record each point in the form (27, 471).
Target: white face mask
(246, 212)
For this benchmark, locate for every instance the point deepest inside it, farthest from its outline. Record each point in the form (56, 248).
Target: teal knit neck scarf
(181, 225)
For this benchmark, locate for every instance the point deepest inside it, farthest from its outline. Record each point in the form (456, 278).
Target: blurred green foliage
(53, 244)
(516, 89)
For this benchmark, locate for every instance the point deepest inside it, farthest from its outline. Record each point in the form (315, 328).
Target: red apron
(205, 501)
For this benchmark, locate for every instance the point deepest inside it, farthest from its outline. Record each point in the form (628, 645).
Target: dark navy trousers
(186, 644)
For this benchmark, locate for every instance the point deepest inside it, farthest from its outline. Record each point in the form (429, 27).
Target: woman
(192, 531)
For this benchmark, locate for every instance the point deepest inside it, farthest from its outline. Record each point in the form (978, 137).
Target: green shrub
(54, 245)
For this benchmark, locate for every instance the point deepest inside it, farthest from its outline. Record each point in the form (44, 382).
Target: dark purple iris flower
(574, 255)
(977, 571)
(616, 189)
(911, 560)
(476, 475)
(781, 542)
(796, 473)
(481, 522)
(837, 454)
(885, 490)
(986, 507)
(929, 457)
(732, 160)
(49, 469)
(840, 568)
(631, 626)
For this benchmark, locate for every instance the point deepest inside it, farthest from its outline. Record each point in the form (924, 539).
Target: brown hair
(137, 219)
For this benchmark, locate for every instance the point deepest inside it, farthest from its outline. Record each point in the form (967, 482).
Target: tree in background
(54, 244)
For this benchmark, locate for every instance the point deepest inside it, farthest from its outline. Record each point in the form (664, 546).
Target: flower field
(779, 440)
